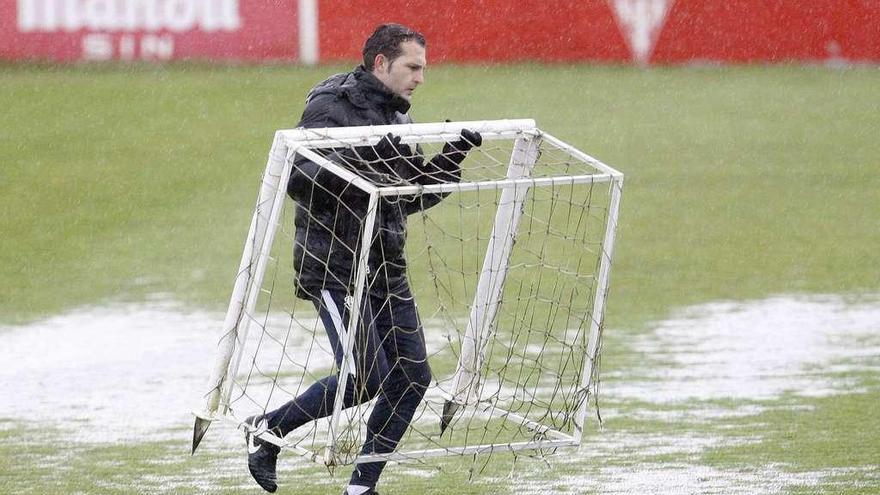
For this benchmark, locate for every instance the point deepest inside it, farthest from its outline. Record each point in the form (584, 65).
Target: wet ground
(134, 372)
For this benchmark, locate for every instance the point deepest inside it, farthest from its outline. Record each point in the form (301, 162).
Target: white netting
(510, 354)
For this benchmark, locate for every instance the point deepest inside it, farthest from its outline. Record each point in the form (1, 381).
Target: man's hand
(381, 163)
(457, 150)
(390, 148)
(445, 167)
(469, 139)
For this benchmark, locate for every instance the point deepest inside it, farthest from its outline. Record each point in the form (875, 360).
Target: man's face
(403, 74)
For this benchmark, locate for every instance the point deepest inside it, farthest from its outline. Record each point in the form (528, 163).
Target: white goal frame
(287, 144)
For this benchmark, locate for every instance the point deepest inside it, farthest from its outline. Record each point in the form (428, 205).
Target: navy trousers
(390, 365)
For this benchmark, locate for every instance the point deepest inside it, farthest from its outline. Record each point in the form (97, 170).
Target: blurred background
(642, 32)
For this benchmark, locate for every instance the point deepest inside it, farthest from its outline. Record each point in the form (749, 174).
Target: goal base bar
(557, 439)
(473, 449)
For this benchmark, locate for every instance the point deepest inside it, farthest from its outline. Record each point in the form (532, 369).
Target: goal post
(510, 271)
(491, 280)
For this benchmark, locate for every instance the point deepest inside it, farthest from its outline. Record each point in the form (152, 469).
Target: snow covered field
(133, 373)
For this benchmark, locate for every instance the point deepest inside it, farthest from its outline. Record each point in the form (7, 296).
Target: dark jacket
(330, 211)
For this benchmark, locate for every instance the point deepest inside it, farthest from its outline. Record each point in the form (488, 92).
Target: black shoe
(262, 455)
(368, 492)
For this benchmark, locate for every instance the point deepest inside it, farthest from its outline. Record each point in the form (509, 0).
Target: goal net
(510, 271)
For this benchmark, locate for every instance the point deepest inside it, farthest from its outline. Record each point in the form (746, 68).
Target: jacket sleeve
(309, 182)
(443, 168)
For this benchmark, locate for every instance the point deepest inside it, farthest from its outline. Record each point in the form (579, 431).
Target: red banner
(478, 31)
(770, 31)
(615, 31)
(152, 30)
(641, 31)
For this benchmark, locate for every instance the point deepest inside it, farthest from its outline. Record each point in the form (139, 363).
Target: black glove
(390, 148)
(457, 150)
(469, 139)
(383, 158)
(446, 166)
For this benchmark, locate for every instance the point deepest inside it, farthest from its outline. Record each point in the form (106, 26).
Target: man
(390, 360)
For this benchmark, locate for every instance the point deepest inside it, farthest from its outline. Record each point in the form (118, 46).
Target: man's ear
(381, 62)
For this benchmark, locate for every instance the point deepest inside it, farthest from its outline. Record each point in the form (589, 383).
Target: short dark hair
(386, 39)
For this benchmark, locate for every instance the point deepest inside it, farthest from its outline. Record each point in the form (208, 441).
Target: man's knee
(418, 374)
(368, 384)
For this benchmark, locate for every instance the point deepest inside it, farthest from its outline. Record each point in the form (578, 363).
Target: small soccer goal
(510, 272)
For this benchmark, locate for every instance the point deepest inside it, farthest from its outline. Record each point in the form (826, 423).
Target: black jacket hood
(362, 89)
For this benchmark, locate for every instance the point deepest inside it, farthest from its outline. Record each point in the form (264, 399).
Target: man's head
(395, 54)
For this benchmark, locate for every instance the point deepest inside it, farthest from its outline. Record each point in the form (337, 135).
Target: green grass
(805, 438)
(741, 182)
(119, 183)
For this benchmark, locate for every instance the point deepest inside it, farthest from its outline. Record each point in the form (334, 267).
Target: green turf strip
(741, 182)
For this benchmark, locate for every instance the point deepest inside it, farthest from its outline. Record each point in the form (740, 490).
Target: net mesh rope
(529, 385)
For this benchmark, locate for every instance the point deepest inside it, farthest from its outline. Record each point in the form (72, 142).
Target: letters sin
(129, 30)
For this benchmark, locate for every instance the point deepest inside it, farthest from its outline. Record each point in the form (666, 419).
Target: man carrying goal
(389, 357)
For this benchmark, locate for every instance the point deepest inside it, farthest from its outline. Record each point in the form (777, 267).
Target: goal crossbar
(409, 133)
(495, 184)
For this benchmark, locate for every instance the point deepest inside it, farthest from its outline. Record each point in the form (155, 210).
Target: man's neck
(395, 101)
